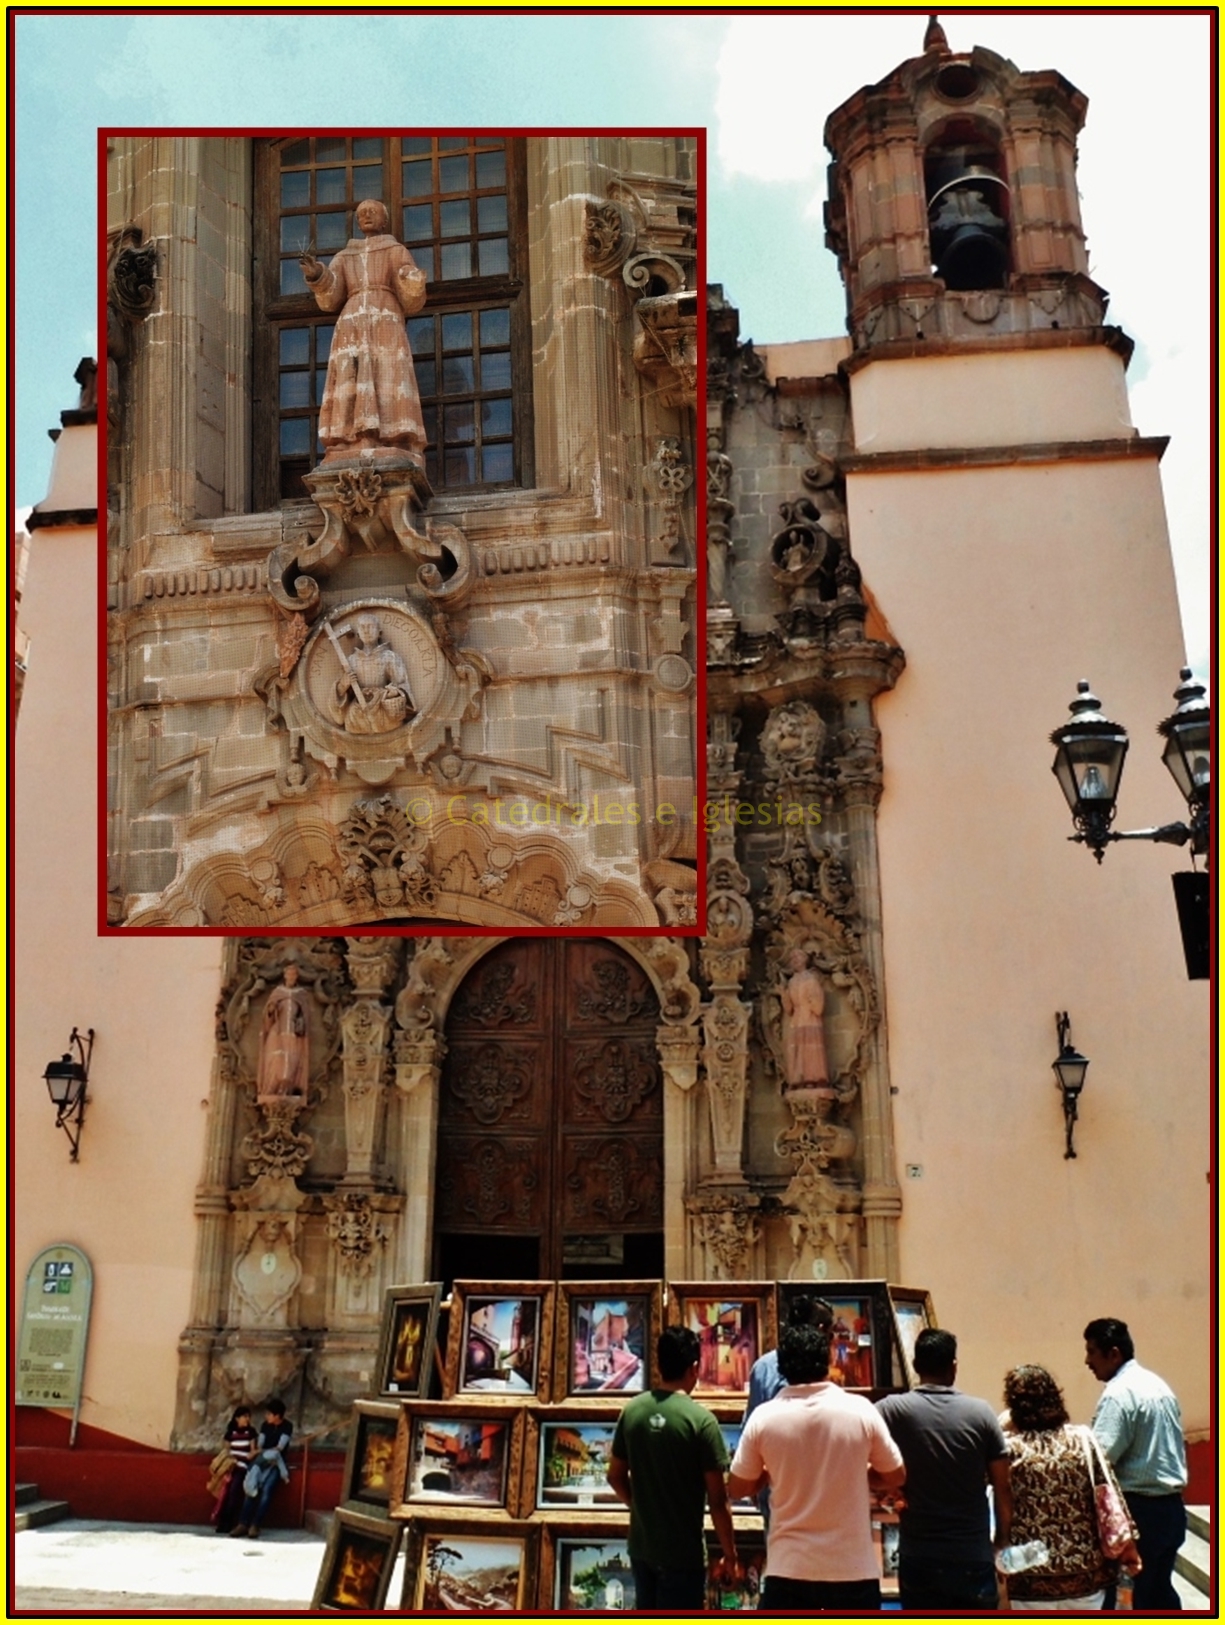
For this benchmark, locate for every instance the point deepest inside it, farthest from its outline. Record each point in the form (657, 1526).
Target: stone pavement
(86, 1564)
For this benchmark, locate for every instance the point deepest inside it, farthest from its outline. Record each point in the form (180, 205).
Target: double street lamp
(1089, 754)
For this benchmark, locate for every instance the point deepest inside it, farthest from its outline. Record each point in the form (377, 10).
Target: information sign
(54, 1327)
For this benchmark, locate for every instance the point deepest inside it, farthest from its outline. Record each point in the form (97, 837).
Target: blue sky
(762, 85)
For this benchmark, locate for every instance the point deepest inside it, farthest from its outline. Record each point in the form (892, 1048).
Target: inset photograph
(402, 530)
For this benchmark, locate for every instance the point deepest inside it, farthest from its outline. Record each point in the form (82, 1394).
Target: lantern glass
(64, 1082)
(1070, 1070)
(1188, 755)
(1090, 765)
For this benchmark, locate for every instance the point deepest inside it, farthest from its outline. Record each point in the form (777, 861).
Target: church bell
(969, 238)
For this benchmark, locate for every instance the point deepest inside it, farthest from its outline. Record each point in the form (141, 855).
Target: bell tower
(952, 201)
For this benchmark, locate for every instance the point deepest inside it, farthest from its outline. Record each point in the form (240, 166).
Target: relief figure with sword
(372, 690)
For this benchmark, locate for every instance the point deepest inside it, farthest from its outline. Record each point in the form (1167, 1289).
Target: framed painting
(863, 1348)
(735, 1322)
(357, 1563)
(585, 1568)
(885, 1545)
(368, 1476)
(731, 1427)
(606, 1335)
(724, 1595)
(912, 1313)
(565, 1460)
(406, 1341)
(501, 1339)
(474, 1565)
(457, 1453)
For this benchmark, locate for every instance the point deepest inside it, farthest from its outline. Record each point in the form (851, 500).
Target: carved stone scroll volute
(726, 1227)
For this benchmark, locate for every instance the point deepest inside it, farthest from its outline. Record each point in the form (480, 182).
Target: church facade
(918, 536)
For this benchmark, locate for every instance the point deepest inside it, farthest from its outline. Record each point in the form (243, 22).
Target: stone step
(26, 1493)
(1199, 1522)
(1194, 1562)
(33, 1514)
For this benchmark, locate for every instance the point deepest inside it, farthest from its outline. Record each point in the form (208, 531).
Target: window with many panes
(457, 202)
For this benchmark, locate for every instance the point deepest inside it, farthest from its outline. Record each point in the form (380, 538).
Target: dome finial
(935, 38)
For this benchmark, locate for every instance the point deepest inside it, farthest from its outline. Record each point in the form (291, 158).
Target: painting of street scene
(470, 1574)
(608, 1345)
(573, 1469)
(728, 1596)
(459, 1461)
(850, 1342)
(593, 1576)
(731, 1432)
(729, 1335)
(501, 1346)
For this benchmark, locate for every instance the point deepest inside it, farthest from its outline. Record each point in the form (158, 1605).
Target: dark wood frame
(475, 1526)
(395, 1297)
(568, 1293)
(270, 307)
(887, 1372)
(760, 1292)
(364, 1411)
(344, 1520)
(461, 1294)
(580, 1527)
(910, 1295)
(411, 1413)
(573, 1414)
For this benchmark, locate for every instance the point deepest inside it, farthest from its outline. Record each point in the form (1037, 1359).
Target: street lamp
(66, 1081)
(1089, 754)
(1069, 1067)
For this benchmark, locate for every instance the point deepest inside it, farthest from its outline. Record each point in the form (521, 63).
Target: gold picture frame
(585, 1566)
(368, 1470)
(452, 1454)
(913, 1312)
(500, 1340)
(604, 1344)
(565, 1461)
(736, 1322)
(407, 1335)
(498, 1553)
(355, 1574)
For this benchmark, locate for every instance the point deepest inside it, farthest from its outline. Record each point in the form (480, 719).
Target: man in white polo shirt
(816, 1446)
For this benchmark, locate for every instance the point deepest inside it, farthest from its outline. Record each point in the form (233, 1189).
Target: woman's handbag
(219, 1471)
(1115, 1530)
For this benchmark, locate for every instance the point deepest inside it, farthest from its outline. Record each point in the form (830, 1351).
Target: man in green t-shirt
(668, 1459)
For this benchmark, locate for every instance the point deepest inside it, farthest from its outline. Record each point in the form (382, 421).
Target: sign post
(54, 1328)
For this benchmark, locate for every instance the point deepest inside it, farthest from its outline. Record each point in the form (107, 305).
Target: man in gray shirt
(1139, 1427)
(953, 1446)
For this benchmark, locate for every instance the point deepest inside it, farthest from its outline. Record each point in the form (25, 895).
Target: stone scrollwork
(381, 854)
(727, 1226)
(669, 476)
(277, 1149)
(356, 1230)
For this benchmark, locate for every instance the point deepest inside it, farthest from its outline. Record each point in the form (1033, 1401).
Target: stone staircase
(31, 1512)
(1193, 1565)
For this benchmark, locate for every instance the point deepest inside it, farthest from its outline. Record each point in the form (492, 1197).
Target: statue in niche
(372, 689)
(284, 1042)
(803, 998)
(371, 394)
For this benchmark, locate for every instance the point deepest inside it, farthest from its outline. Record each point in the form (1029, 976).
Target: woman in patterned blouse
(1052, 1500)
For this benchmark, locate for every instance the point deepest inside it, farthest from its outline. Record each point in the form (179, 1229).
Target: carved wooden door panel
(550, 1123)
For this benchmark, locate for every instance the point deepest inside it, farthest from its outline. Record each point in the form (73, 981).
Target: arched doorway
(550, 1118)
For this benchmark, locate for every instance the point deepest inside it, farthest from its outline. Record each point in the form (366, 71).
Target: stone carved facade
(798, 1180)
(534, 647)
(309, 1208)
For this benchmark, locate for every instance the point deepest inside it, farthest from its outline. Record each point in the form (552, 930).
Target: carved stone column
(365, 1027)
(419, 1054)
(724, 958)
(860, 777)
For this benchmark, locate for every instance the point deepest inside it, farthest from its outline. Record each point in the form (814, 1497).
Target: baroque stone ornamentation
(727, 1226)
(382, 857)
(823, 1224)
(720, 511)
(277, 1149)
(670, 476)
(356, 1231)
(375, 689)
(791, 744)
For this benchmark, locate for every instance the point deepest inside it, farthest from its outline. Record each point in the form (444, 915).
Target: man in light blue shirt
(1139, 1427)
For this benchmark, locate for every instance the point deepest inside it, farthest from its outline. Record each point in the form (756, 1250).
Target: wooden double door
(550, 1124)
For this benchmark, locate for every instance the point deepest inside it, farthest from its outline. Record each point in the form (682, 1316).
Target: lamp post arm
(1171, 834)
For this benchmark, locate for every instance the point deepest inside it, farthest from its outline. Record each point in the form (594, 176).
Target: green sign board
(54, 1326)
